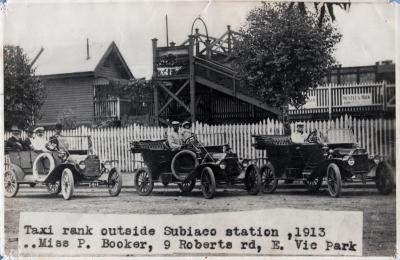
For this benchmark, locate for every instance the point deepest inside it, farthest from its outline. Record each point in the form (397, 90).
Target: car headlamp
(82, 165)
(245, 163)
(377, 160)
(222, 165)
(350, 160)
(107, 165)
(63, 156)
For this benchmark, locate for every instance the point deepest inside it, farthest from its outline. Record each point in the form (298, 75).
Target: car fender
(55, 175)
(18, 171)
(251, 166)
(390, 167)
(338, 161)
(113, 169)
(200, 168)
(343, 166)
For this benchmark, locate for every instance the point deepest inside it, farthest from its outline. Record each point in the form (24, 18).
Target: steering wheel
(51, 146)
(312, 137)
(190, 140)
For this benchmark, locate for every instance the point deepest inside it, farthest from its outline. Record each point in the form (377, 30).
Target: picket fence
(376, 135)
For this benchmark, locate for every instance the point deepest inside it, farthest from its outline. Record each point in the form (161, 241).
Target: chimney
(87, 49)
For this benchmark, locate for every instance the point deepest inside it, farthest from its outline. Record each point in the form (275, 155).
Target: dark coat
(15, 144)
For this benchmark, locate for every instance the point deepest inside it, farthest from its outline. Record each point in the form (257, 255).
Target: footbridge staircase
(196, 81)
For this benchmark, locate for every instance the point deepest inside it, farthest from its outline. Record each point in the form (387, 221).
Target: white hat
(185, 123)
(174, 123)
(37, 129)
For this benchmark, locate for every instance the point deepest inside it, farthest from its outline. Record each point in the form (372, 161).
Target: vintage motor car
(61, 169)
(334, 156)
(214, 166)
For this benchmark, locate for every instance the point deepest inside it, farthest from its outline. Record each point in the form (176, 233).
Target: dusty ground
(379, 211)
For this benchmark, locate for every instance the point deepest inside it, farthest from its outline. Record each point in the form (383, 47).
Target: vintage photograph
(182, 108)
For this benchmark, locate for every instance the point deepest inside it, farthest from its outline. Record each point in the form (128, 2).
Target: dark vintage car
(334, 156)
(60, 170)
(214, 166)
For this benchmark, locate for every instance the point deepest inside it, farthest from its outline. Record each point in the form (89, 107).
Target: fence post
(383, 87)
(330, 101)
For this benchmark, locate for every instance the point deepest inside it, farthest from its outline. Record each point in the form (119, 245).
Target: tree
(23, 92)
(322, 7)
(283, 53)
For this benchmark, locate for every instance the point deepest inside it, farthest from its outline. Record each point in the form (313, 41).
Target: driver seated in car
(186, 132)
(299, 136)
(56, 143)
(174, 138)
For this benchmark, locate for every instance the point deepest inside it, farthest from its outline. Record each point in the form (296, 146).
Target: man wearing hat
(54, 141)
(15, 142)
(39, 142)
(299, 136)
(186, 132)
(28, 140)
(174, 138)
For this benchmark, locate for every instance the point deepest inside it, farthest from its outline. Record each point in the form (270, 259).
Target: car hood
(218, 156)
(76, 158)
(348, 151)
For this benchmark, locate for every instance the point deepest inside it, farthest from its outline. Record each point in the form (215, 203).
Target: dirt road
(379, 211)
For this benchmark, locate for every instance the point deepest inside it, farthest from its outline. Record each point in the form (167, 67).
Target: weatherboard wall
(74, 94)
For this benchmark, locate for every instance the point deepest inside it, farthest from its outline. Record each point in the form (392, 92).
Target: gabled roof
(73, 59)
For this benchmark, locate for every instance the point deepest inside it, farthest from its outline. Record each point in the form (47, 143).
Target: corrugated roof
(69, 59)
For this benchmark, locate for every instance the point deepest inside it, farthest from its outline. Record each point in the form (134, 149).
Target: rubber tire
(274, 181)
(337, 176)
(34, 165)
(177, 156)
(67, 184)
(13, 181)
(51, 190)
(257, 181)
(210, 181)
(186, 189)
(150, 182)
(316, 188)
(114, 190)
(387, 181)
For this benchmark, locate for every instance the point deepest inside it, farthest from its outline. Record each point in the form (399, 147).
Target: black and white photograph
(199, 128)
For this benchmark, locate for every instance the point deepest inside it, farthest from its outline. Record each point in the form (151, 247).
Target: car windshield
(212, 138)
(335, 136)
(74, 142)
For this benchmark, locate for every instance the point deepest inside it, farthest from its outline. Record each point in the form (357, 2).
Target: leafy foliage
(135, 89)
(283, 52)
(23, 92)
(67, 118)
(321, 8)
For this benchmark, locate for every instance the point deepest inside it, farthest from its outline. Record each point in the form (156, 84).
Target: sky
(368, 29)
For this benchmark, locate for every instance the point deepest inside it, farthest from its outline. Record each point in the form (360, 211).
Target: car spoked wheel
(208, 184)
(253, 180)
(384, 179)
(313, 184)
(114, 183)
(269, 182)
(67, 184)
(11, 185)
(143, 182)
(187, 186)
(334, 180)
(53, 188)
